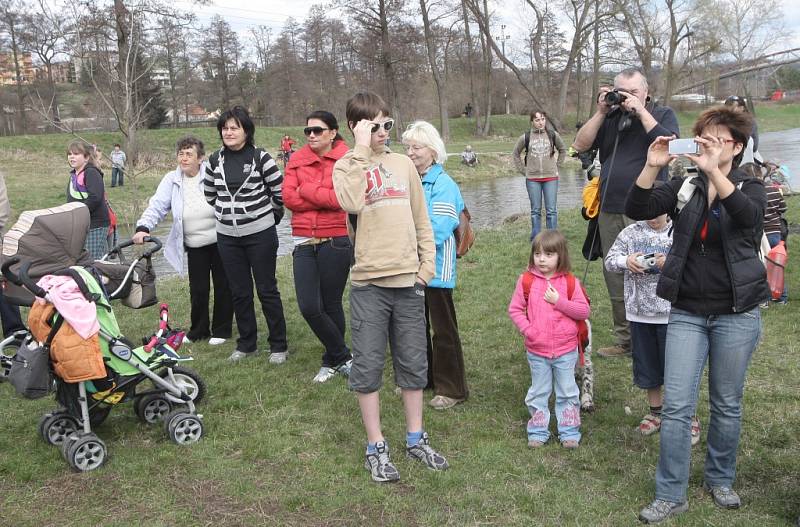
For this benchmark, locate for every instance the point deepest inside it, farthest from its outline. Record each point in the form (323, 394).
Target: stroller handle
(29, 284)
(8, 273)
(146, 254)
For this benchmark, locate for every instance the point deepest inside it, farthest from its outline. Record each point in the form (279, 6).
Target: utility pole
(502, 38)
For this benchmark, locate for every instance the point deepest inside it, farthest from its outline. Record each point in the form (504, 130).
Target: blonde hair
(426, 134)
(551, 241)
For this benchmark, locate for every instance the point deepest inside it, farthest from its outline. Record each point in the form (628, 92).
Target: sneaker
(278, 357)
(724, 497)
(344, 368)
(660, 510)
(380, 466)
(216, 341)
(649, 425)
(764, 305)
(186, 339)
(613, 351)
(237, 355)
(425, 454)
(695, 431)
(533, 443)
(324, 374)
(442, 402)
(570, 444)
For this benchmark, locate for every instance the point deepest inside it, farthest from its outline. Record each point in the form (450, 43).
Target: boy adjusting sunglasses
(387, 125)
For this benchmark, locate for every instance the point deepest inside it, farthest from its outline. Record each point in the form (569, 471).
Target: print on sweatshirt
(381, 186)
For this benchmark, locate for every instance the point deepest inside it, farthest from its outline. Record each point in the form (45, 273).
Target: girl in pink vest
(546, 314)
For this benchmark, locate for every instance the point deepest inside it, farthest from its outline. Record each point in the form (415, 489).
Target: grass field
(280, 450)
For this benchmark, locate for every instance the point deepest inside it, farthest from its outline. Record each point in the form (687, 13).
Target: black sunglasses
(387, 125)
(316, 130)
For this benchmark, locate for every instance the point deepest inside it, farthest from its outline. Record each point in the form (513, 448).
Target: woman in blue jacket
(446, 373)
(193, 230)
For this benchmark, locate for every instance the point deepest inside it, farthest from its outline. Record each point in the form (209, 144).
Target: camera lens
(614, 97)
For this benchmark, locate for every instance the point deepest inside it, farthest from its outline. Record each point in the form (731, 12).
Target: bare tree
(438, 78)
(12, 25)
(221, 48)
(47, 43)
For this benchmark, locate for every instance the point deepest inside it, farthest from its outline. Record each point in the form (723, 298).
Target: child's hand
(661, 258)
(551, 295)
(633, 265)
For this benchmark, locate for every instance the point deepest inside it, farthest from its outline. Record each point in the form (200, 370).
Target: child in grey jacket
(640, 252)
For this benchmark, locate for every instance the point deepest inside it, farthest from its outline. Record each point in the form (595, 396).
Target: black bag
(591, 246)
(135, 287)
(30, 371)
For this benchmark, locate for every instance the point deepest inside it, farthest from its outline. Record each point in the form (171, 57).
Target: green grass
(280, 450)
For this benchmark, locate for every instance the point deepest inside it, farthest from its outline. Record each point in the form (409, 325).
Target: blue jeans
(117, 177)
(727, 343)
(535, 191)
(773, 239)
(547, 374)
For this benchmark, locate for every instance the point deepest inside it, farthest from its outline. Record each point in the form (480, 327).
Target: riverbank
(280, 450)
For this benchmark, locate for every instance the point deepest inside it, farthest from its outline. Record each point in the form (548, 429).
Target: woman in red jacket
(322, 252)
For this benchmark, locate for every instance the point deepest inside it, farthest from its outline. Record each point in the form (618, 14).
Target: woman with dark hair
(243, 184)
(535, 158)
(745, 105)
(86, 185)
(715, 281)
(322, 252)
(194, 233)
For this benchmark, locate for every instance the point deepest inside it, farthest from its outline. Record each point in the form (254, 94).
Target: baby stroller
(86, 397)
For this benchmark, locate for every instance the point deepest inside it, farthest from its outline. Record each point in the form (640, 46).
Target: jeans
(535, 191)
(320, 276)
(117, 177)
(249, 259)
(727, 343)
(773, 239)
(202, 262)
(545, 375)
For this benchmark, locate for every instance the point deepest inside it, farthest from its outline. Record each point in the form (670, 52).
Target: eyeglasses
(724, 140)
(316, 130)
(387, 125)
(415, 148)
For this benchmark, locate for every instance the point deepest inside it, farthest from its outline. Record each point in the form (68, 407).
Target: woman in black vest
(715, 281)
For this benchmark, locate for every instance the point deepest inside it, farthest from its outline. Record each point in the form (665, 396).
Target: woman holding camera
(535, 158)
(715, 281)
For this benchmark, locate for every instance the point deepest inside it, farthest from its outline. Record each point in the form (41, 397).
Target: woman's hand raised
(658, 155)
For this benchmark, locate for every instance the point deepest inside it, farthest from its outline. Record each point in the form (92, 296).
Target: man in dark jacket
(622, 128)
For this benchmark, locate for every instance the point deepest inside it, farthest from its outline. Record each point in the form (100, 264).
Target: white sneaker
(186, 339)
(216, 341)
(325, 374)
(278, 358)
(237, 355)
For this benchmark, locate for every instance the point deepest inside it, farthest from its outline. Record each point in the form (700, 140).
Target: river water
(495, 199)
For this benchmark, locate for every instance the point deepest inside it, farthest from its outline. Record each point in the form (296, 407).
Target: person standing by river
(535, 158)
(193, 231)
(243, 184)
(322, 248)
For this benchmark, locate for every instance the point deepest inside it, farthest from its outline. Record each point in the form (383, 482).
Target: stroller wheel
(86, 452)
(56, 426)
(183, 428)
(152, 408)
(187, 380)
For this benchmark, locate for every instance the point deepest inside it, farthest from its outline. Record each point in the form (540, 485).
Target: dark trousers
(205, 261)
(320, 276)
(249, 259)
(446, 374)
(10, 317)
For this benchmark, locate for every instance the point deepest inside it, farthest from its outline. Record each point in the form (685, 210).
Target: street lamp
(502, 38)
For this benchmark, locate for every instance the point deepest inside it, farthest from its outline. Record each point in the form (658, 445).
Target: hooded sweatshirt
(392, 235)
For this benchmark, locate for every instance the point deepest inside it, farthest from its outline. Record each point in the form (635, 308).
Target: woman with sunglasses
(322, 250)
(715, 281)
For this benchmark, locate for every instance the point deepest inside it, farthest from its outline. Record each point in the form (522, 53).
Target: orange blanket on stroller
(74, 359)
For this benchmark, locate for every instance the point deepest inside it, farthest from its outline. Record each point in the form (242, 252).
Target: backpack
(583, 327)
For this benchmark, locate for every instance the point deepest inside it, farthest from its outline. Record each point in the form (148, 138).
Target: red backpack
(583, 327)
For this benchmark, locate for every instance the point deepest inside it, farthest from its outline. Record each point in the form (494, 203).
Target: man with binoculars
(622, 128)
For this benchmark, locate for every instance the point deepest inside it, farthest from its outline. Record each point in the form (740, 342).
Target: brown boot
(613, 351)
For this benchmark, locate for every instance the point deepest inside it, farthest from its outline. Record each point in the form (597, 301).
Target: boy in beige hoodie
(394, 260)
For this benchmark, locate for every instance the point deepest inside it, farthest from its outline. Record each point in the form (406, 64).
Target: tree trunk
(441, 91)
(487, 54)
(470, 70)
(595, 60)
(388, 69)
(20, 113)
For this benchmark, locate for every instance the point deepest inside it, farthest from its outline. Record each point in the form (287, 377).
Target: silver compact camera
(648, 261)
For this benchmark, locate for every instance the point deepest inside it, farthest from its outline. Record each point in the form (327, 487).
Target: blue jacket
(169, 198)
(444, 205)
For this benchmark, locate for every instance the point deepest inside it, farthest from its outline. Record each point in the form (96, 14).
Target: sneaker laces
(662, 507)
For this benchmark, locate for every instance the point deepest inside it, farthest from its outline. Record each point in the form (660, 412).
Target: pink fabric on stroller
(64, 294)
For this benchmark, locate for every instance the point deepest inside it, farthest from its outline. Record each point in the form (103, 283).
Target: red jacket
(308, 193)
